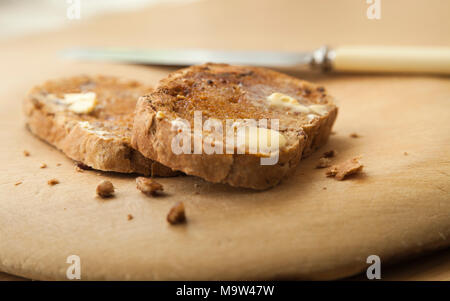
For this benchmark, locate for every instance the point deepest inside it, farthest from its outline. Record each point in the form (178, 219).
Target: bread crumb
(333, 133)
(105, 189)
(148, 186)
(176, 214)
(58, 164)
(323, 162)
(344, 169)
(18, 183)
(81, 166)
(329, 154)
(52, 182)
(78, 169)
(405, 153)
(354, 135)
(43, 165)
(130, 217)
(26, 153)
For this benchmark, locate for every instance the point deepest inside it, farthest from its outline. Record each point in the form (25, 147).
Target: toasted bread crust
(106, 148)
(222, 91)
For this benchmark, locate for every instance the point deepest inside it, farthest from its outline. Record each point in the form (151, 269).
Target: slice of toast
(305, 113)
(90, 120)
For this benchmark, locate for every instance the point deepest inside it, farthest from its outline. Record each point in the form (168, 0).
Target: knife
(341, 59)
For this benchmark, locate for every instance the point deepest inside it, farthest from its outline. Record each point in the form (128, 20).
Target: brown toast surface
(223, 92)
(96, 134)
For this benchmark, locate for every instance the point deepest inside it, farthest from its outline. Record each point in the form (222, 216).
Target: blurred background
(268, 24)
(27, 16)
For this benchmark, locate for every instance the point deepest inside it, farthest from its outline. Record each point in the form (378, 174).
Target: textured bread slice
(305, 113)
(90, 120)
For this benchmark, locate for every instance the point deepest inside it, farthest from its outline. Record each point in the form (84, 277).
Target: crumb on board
(148, 186)
(58, 164)
(324, 188)
(43, 165)
(177, 214)
(405, 153)
(354, 135)
(18, 183)
(323, 163)
(52, 182)
(105, 189)
(77, 169)
(129, 217)
(26, 153)
(342, 170)
(329, 154)
(81, 166)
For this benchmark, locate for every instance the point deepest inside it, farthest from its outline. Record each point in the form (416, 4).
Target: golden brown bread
(97, 136)
(305, 112)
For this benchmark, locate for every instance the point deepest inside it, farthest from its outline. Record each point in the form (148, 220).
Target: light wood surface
(400, 206)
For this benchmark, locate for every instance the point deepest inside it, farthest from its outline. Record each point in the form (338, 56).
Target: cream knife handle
(390, 59)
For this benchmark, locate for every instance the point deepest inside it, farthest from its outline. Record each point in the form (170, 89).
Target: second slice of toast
(90, 120)
(305, 114)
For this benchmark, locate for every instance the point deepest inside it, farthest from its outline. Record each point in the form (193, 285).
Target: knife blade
(183, 57)
(381, 59)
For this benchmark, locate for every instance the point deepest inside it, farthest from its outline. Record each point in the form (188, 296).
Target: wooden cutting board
(309, 227)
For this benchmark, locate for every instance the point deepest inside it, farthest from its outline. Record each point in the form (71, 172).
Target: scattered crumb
(405, 153)
(344, 169)
(18, 183)
(176, 214)
(324, 188)
(323, 162)
(58, 164)
(329, 154)
(130, 217)
(333, 133)
(65, 209)
(43, 165)
(81, 166)
(196, 185)
(52, 182)
(148, 186)
(105, 189)
(354, 135)
(26, 153)
(78, 169)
